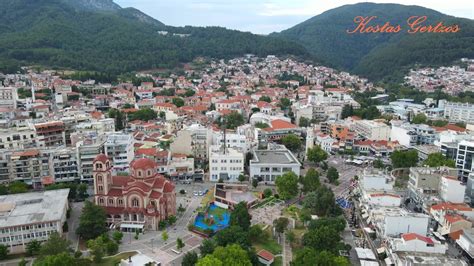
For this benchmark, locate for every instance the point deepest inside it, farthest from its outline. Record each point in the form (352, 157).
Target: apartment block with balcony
(64, 165)
(26, 166)
(119, 148)
(87, 150)
(226, 163)
(52, 133)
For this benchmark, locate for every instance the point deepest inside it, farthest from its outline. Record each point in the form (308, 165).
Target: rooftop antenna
(224, 130)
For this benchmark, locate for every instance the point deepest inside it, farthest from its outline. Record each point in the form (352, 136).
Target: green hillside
(379, 55)
(101, 36)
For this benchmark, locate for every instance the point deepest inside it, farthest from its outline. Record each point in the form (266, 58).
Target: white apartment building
(452, 190)
(8, 97)
(459, 112)
(372, 130)
(119, 148)
(269, 164)
(64, 165)
(226, 163)
(98, 127)
(179, 165)
(398, 221)
(193, 140)
(19, 138)
(31, 216)
(87, 150)
(465, 158)
(466, 241)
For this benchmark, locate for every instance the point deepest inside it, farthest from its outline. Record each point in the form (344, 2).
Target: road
(73, 223)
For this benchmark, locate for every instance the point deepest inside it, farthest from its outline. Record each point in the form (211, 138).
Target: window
(99, 178)
(101, 201)
(101, 188)
(135, 203)
(111, 201)
(148, 173)
(120, 202)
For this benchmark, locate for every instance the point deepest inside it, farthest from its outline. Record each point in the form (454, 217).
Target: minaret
(33, 92)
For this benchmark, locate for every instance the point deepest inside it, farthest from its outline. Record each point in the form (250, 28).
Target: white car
(195, 193)
(201, 193)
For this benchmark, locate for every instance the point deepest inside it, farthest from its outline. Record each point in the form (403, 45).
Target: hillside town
(287, 161)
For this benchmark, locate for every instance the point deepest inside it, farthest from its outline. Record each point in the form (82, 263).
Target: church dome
(143, 168)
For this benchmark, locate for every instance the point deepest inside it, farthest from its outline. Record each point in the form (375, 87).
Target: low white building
(269, 164)
(179, 165)
(31, 216)
(372, 180)
(372, 130)
(413, 242)
(225, 163)
(399, 221)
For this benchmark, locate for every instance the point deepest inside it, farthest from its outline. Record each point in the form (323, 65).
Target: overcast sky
(265, 16)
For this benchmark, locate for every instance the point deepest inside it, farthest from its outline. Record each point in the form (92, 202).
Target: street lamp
(152, 246)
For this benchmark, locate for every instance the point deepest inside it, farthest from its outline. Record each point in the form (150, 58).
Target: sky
(266, 16)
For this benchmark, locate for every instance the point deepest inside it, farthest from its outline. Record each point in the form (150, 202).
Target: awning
(365, 215)
(135, 226)
(381, 250)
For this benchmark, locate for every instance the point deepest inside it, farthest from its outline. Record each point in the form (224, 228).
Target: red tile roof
(282, 124)
(266, 255)
(413, 236)
(452, 206)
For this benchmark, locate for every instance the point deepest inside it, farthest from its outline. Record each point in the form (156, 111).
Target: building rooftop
(33, 207)
(274, 157)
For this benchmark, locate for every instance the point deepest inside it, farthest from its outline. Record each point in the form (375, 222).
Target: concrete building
(269, 164)
(180, 166)
(376, 181)
(470, 189)
(398, 221)
(31, 216)
(51, 133)
(19, 138)
(451, 189)
(412, 242)
(193, 140)
(226, 163)
(8, 97)
(459, 112)
(466, 242)
(372, 130)
(64, 165)
(87, 150)
(465, 158)
(119, 147)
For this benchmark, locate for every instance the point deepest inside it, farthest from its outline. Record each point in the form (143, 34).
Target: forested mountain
(378, 55)
(99, 35)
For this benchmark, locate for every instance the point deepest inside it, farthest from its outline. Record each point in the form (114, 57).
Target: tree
(117, 236)
(304, 122)
(404, 159)
(3, 252)
(190, 259)
(254, 183)
(290, 235)
(261, 125)
(280, 224)
(233, 120)
(17, 187)
(378, 164)
(437, 159)
(316, 154)
(265, 98)
(179, 243)
(119, 118)
(209, 260)
(82, 191)
(178, 101)
(96, 247)
(164, 236)
(60, 259)
(92, 222)
(284, 103)
(310, 257)
(23, 262)
(33, 248)
(241, 178)
(145, 114)
(347, 111)
(419, 119)
(240, 216)
(321, 202)
(267, 192)
(229, 255)
(332, 174)
(338, 223)
(323, 238)
(292, 142)
(55, 245)
(207, 246)
(233, 234)
(287, 185)
(310, 181)
(255, 233)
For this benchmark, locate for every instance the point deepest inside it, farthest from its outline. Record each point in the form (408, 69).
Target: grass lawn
(207, 198)
(278, 261)
(112, 261)
(268, 243)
